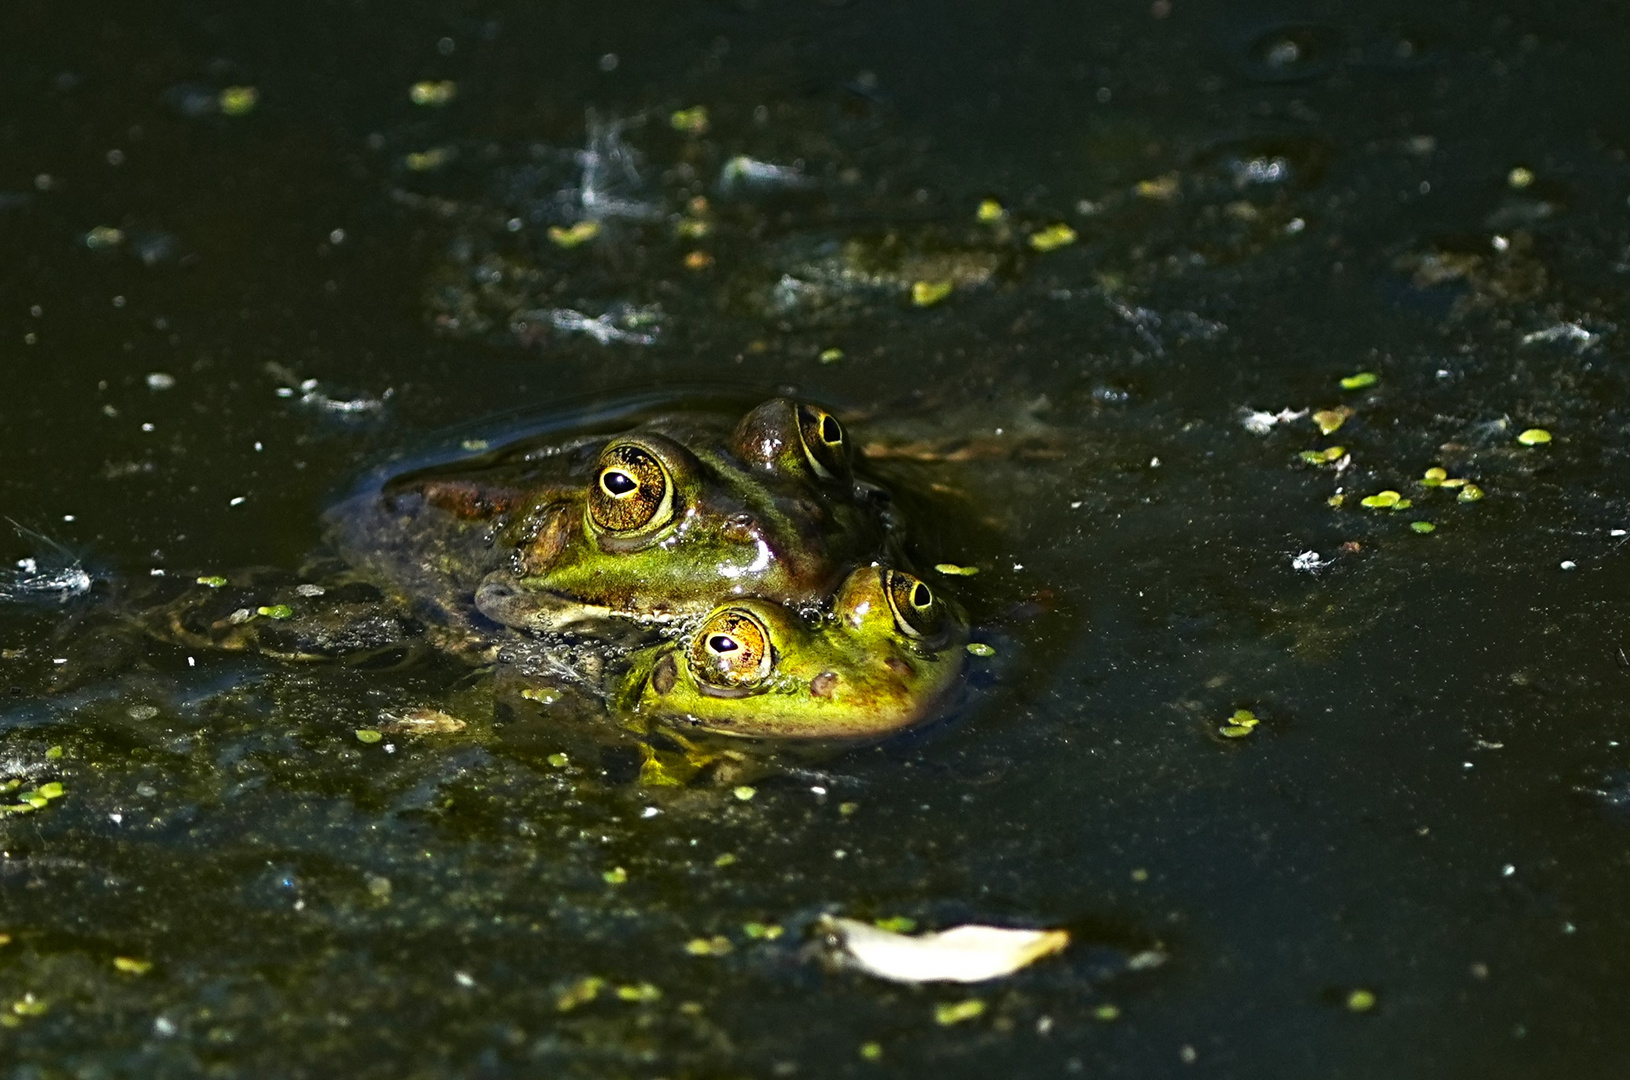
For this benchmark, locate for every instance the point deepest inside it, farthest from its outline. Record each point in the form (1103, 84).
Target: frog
(878, 662)
(616, 534)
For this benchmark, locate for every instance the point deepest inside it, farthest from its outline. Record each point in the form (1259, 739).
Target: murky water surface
(245, 267)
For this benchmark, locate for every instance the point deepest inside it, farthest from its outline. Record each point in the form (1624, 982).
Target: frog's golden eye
(632, 490)
(732, 650)
(825, 445)
(917, 611)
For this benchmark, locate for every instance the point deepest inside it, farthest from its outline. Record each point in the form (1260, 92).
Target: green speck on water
(745, 793)
(831, 356)
(761, 931)
(929, 293)
(1360, 380)
(1403, 504)
(717, 945)
(1052, 238)
(691, 121)
(639, 992)
(1534, 436)
(132, 966)
(989, 212)
(725, 860)
(558, 760)
(1107, 1012)
(276, 611)
(368, 735)
(896, 924)
(615, 876)
(1381, 500)
(1422, 527)
(214, 581)
(581, 992)
(1361, 1000)
(957, 1012)
(54, 753)
(1471, 493)
(29, 1005)
(871, 1051)
(53, 790)
(238, 100)
(979, 648)
(1434, 477)
(953, 570)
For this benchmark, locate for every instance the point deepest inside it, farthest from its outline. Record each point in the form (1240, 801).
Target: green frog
(887, 652)
(595, 534)
(641, 567)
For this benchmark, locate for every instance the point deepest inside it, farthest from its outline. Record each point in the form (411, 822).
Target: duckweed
(1331, 419)
(871, 1051)
(954, 570)
(1242, 723)
(580, 233)
(1423, 527)
(831, 356)
(558, 760)
(957, 1012)
(1107, 1012)
(275, 611)
(989, 212)
(1471, 493)
(132, 966)
(929, 293)
(368, 735)
(238, 100)
(1361, 1000)
(580, 992)
(639, 992)
(762, 931)
(433, 93)
(1052, 238)
(615, 876)
(718, 945)
(1329, 455)
(1434, 477)
(1534, 436)
(691, 121)
(980, 649)
(745, 793)
(896, 924)
(1360, 380)
(1381, 500)
(429, 160)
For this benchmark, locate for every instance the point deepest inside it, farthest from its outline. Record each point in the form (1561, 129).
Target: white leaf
(961, 954)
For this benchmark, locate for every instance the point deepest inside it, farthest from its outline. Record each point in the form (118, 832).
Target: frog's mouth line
(729, 693)
(534, 609)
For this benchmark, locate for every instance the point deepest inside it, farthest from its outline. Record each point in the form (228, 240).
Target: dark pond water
(1266, 199)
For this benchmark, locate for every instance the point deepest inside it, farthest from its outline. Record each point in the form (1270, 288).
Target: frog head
(889, 650)
(671, 517)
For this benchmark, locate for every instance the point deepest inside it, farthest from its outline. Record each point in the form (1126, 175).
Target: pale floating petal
(967, 954)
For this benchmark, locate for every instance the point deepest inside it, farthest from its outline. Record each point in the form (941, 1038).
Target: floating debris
(620, 324)
(433, 93)
(1567, 333)
(581, 992)
(743, 171)
(1519, 178)
(1310, 562)
(1360, 380)
(1534, 436)
(698, 260)
(1260, 423)
(1161, 188)
(57, 575)
(970, 953)
(421, 721)
(1052, 237)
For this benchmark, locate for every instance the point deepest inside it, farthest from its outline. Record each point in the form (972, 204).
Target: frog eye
(632, 490)
(825, 444)
(732, 650)
(917, 611)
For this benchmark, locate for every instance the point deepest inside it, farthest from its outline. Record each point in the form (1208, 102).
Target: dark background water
(1433, 809)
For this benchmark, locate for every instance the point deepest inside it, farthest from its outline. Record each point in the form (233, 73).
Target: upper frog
(655, 523)
(888, 651)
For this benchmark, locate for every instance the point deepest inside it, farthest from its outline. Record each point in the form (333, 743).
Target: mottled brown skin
(661, 522)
